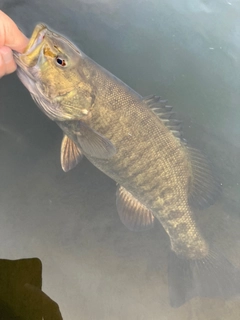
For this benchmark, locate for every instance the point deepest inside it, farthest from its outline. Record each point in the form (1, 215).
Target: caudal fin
(213, 277)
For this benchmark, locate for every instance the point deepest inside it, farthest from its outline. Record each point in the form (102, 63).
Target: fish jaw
(36, 38)
(26, 61)
(29, 57)
(27, 81)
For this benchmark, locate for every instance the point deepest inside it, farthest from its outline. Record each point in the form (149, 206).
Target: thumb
(10, 35)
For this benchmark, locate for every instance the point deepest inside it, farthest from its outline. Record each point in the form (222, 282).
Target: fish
(136, 141)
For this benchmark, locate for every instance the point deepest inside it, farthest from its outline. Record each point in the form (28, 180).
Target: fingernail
(6, 54)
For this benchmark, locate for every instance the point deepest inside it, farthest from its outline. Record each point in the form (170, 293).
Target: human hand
(11, 38)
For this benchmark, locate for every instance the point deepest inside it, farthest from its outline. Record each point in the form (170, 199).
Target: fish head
(54, 72)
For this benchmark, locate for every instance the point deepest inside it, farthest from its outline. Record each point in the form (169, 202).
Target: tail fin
(213, 276)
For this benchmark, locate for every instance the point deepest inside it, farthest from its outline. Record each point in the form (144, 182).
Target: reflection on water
(92, 266)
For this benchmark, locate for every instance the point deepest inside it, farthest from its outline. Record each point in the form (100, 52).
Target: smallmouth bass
(135, 141)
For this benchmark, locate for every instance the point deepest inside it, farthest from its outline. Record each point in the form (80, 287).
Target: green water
(187, 52)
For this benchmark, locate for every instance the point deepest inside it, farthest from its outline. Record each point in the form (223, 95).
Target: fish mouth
(27, 68)
(29, 56)
(36, 38)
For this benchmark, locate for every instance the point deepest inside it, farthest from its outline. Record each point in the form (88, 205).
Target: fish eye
(61, 62)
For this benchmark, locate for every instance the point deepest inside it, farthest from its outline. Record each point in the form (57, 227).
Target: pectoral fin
(134, 215)
(93, 143)
(71, 154)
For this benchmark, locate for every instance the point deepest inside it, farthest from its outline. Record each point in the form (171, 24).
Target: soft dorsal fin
(204, 188)
(71, 154)
(133, 214)
(164, 112)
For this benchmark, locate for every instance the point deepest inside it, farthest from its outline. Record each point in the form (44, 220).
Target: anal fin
(133, 214)
(71, 154)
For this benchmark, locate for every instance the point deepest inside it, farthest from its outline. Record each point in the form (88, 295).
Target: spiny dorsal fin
(204, 188)
(71, 154)
(164, 112)
(134, 215)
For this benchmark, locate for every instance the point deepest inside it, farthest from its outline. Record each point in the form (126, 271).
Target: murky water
(93, 267)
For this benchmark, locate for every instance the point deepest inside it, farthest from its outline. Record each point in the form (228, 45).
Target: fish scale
(159, 165)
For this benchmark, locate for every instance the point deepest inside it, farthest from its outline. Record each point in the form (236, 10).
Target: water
(185, 51)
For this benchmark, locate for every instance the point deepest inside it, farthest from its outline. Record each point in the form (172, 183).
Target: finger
(2, 67)
(7, 59)
(10, 35)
